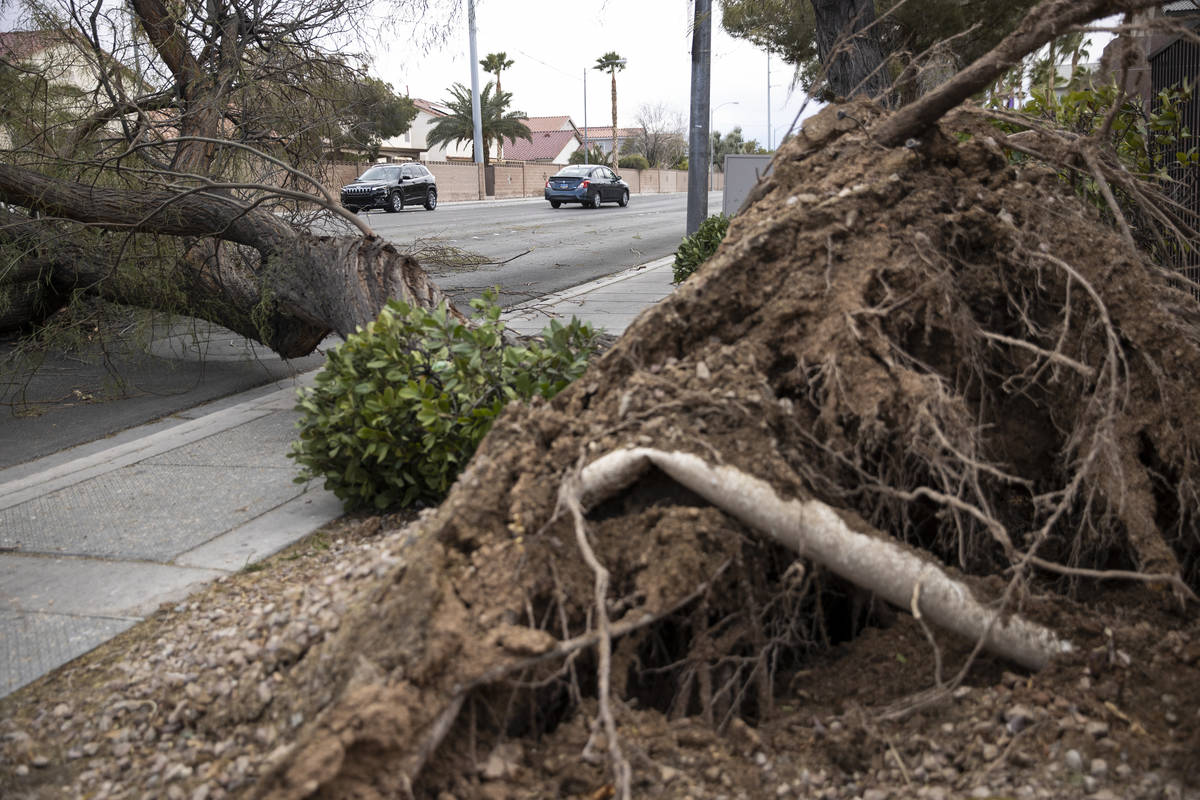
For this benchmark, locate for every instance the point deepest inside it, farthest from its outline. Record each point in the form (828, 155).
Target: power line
(551, 66)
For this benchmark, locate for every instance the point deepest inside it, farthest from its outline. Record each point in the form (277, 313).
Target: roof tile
(546, 145)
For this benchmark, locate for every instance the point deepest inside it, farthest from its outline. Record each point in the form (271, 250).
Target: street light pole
(698, 135)
(476, 117)
(585, 127)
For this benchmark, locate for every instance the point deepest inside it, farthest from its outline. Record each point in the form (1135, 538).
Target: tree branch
(1042, 25)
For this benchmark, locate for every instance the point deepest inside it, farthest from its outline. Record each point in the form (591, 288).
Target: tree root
(818, 531)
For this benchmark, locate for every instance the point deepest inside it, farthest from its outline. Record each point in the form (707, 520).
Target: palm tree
(611, 62)
(495, 63)
(497, 123)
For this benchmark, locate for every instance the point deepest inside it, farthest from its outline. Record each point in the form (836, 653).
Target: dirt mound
(940, 344)
(945, 348)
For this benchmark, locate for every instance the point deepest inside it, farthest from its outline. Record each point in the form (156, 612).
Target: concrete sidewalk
(93, 541)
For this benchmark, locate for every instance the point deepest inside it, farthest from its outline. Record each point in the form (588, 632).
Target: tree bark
(203, 95)
(291, 291)
(615, 166)
(849, 48)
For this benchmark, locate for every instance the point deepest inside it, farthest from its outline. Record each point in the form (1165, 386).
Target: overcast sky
(553, 44)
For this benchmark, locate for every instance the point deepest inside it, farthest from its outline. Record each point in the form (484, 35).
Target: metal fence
(1171, 66)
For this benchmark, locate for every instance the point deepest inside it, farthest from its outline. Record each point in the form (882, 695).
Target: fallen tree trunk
(291, 291)
(59, 259)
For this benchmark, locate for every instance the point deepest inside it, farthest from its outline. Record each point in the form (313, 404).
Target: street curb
(585, 288)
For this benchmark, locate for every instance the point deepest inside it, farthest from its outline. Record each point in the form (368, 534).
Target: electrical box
(741, 173)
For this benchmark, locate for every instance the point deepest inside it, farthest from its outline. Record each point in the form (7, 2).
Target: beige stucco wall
(457, 181)
(536, 176)
(510, 181)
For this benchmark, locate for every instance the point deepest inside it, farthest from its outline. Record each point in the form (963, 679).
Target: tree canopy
(495, 63)
(909, 33)
(661, 137)
(496, 121)
(178, 163)
(733, 143)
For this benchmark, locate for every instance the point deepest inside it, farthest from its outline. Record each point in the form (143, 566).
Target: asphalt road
(85, 401)
(544, 250)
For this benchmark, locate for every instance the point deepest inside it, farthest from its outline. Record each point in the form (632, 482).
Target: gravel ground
(192, 705)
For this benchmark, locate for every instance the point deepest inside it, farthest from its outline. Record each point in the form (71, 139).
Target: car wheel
(431, 199)
(555, 203)
(624, 201)
(395, 202)
(593, 200)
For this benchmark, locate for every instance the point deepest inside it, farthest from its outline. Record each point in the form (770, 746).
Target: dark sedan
(391, 187)
(587, 184)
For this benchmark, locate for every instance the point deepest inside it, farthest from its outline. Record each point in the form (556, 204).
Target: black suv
(391, 187)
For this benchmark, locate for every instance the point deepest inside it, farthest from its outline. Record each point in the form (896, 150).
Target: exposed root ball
(932, 338)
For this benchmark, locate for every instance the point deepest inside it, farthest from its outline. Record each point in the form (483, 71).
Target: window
(375, 174)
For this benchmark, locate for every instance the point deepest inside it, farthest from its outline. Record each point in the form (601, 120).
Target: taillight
(547, 184)
(585, 184)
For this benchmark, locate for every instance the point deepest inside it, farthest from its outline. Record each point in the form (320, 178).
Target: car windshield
(380, 174)
(574, 172)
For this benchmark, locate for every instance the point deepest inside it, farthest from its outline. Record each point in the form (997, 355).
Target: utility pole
(585, 127)
(475, 115)
(698, 137)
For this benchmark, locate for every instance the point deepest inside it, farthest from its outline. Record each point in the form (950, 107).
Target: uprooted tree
(918, 364)
(913, 350)
(181, 180)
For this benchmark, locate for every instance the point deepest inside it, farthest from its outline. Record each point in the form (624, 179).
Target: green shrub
(694, 250)
(634, 161)
(595, 156)
(400, 407)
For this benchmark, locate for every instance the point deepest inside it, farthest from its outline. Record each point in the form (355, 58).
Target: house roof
(19, 45)
(539, 124)
(430, 107)
(546, 145)
(607, 132)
